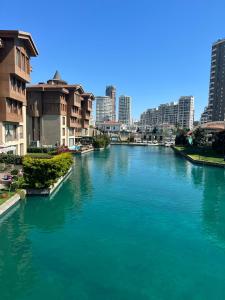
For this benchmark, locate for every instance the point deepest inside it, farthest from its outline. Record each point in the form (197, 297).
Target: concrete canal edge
(196, 161)
(49, 191)
(86, 151)
(8, 204)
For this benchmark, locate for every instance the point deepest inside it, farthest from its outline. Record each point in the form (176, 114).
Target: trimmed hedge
(42, 172)
(10, 159)
(39, 150)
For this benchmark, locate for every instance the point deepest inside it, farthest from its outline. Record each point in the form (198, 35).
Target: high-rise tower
(111, 92)
(124, 110)
(216, 104)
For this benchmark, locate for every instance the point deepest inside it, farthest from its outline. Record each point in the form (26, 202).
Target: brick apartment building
(57, 113)
(16, 48)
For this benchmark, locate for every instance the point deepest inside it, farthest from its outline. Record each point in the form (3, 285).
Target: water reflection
(16, 257)
(50, 213)
(197, 174)
(210, 182)
(213, 204)
(109, 162)
(45, 214)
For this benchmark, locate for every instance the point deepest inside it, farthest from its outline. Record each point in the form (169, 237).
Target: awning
(6, 149)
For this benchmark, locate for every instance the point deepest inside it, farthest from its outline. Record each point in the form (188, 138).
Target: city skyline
(163, 63)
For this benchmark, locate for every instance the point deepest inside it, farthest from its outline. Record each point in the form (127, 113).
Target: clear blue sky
(154, 51)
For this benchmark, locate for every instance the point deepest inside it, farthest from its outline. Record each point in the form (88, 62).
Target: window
(23, 88)
(18, 58)
(64, 120)
(71, 131)
(71, 142)
(63, 131)
(10, 132)
(23, 62)
(27, 65)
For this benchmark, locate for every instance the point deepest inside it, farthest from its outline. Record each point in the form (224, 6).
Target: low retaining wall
(48, 191)
(86, 151)
(129, 144)
(196, 161)
(8, 204)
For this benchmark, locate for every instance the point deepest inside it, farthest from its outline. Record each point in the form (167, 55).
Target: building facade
(109, 127)
(216, 102)
(104, 109)
(185, 117)
(204, 116)
(16, 49)
(57, 113)
(110, 91)
(177, 114)
(124, 115)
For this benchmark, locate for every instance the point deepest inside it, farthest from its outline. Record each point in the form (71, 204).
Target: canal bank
(199, 159)
(9, 204)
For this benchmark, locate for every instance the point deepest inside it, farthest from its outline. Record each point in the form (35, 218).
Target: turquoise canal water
(130, 223)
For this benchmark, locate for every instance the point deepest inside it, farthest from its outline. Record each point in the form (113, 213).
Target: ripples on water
(129, 223)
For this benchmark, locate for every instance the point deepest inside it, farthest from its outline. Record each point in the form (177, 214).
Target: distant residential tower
(177, 114)
(111, 92)
(104, 109)
(216, 102)
(124, 115)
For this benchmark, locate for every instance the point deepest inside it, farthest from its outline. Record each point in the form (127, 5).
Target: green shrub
(2, 167)
(101, 141)
(14, 172)
(43, 173)
(21, 193)
(11, 159)
(39, 155)
(39, 150)
(181, 137)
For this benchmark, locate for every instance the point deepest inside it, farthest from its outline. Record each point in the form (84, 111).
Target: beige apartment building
(16, 48)
(57, 113)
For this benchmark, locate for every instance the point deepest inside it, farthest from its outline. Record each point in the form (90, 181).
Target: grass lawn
(9, 194)
(207, 155)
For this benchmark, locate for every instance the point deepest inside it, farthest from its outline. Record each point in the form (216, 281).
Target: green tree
(199, 137)
(181, 137)
(219, 142)
(101, 141)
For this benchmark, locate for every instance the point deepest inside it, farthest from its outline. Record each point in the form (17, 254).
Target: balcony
(85, 125)
(10, 114)
(86, 116)
(75, 114)
(74, 124)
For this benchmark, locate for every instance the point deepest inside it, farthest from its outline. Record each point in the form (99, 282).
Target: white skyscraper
(104, 109)
(186, 112)
(125, 110)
